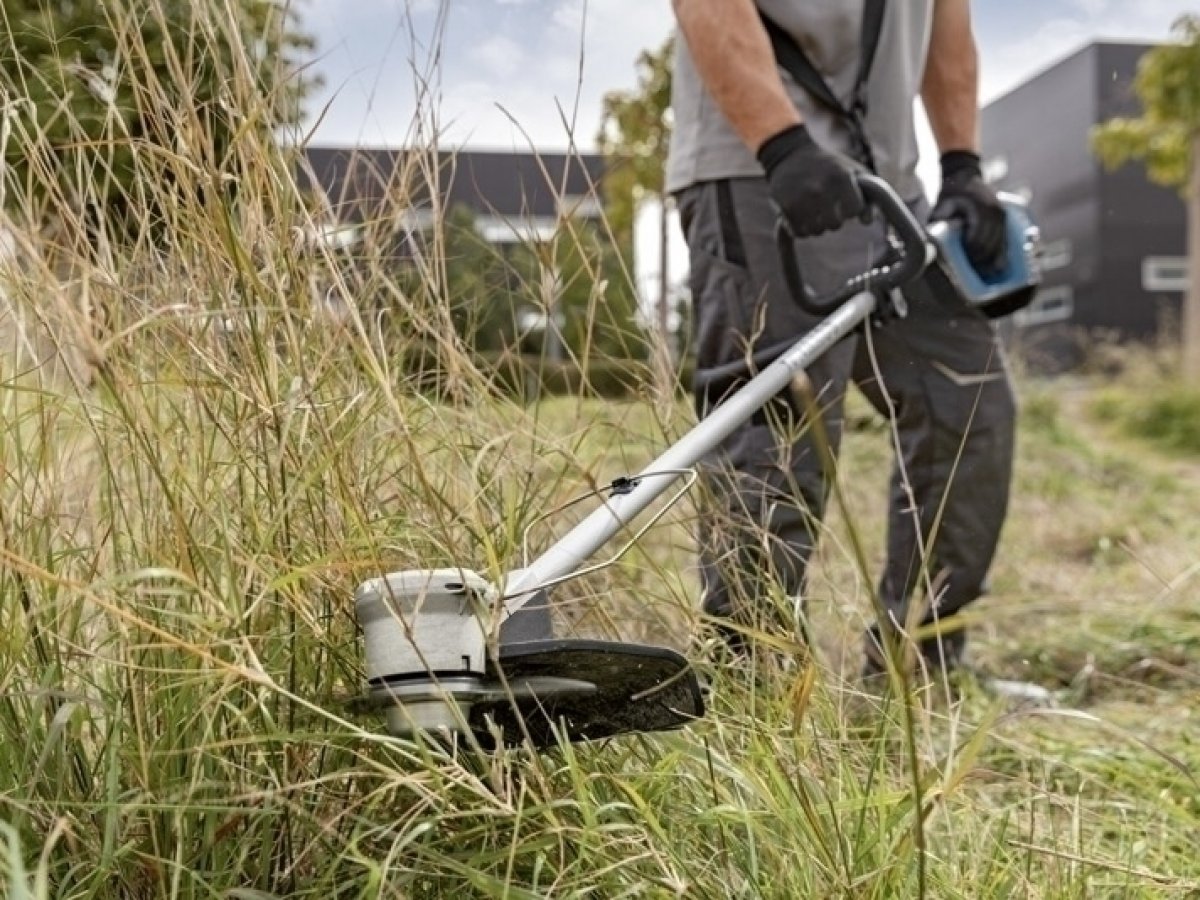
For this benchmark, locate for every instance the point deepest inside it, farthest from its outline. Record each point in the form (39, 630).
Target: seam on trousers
(732, 247)
(962, 380)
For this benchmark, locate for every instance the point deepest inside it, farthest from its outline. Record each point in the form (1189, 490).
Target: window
(1056, 255)
(1052, 304)
(418, 218)
(1165, 273)
(332, 235)
(499, 230)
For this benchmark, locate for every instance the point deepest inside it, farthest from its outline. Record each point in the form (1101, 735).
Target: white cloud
(540, 62)
(503, 57)
(1004, 66)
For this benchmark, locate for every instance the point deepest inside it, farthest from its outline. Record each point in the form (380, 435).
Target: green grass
(185, 513)
(1167, 416)
(182, 541)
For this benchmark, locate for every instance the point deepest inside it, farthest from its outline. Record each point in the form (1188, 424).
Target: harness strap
(791, 57)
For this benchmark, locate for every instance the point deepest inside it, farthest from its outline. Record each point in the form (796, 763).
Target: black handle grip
(907, 265)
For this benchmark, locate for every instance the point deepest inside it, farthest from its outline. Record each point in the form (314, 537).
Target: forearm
(733, 56)
(950, 88)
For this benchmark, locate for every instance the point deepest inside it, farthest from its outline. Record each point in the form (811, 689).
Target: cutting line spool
(425, 645)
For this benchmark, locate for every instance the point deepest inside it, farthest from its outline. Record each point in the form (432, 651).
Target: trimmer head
(429, 667)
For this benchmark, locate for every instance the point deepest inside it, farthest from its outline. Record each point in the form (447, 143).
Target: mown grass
(194, 482)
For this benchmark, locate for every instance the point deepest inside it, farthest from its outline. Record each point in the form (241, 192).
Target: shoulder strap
(791, 57)
(872, 28)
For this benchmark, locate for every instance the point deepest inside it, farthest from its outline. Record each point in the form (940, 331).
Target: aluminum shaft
(565, 556)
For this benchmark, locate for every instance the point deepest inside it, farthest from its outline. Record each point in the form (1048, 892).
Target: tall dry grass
(199, 464)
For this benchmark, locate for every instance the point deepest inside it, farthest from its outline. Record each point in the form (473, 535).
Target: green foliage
(1163, 147)
(1166, 137)
(483, 284)
(595, 292)
(1168, 85)
(635, 133)
(575, 278)
(98, 98)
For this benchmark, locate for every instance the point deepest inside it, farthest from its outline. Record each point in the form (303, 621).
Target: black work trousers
(939, 377)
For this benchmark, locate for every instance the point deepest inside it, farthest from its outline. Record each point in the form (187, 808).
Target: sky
(517, 74)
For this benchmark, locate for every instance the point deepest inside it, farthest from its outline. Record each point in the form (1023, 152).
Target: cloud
(1006, 64)
(508, 71)
(503, 57)
(539, 60)
(1004, 67)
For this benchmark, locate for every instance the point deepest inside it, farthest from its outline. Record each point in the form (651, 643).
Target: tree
(1166, 137)
(595, 293)
(634, 135)
(95, 98)
(573, 277)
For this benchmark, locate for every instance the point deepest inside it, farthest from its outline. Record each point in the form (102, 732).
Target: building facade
(514, 246)
(513, 197)
(1114, 259)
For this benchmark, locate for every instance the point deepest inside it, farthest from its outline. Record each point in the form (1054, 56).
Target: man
(751, 144)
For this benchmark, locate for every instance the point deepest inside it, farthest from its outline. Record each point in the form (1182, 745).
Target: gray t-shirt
(705, 147)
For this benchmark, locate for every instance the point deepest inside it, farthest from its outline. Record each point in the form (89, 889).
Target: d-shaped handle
(903, 266)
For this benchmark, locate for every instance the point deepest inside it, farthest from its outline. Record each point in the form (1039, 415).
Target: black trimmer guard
(636, 688)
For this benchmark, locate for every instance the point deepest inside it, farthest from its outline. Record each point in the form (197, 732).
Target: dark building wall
(1098, 225)
(1038, 133)
(359, 181)
(1138, 219)
(512, 184)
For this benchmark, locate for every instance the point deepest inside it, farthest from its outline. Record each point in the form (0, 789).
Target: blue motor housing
(1014, 284)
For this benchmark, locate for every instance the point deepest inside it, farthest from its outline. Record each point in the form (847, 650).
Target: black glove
(814, 189)
(967, 198)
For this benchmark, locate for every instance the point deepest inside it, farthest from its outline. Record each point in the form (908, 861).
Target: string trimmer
(451, 653)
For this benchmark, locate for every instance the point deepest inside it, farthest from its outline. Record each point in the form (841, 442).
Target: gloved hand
(814, 189)
(967, 198)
